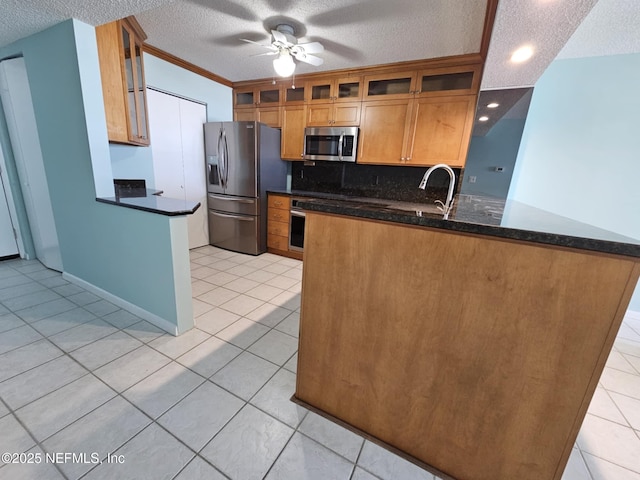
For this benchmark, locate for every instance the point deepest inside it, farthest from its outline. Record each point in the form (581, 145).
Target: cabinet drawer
(278, 228)
(278, 215)
(278, 242)
(279, 201)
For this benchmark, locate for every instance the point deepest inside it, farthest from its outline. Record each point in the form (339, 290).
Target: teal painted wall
(499, 148)
(579, 154)
(166, 76)
(125, 252)
(136, 162)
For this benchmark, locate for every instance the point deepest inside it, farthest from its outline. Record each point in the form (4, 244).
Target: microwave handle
(340, 142)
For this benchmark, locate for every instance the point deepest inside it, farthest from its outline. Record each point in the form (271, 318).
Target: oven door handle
(298, 213)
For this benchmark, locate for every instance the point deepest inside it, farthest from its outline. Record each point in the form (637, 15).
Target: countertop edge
(552, 239)
(147, 208)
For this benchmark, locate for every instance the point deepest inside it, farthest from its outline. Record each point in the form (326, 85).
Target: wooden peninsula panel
(475, 355)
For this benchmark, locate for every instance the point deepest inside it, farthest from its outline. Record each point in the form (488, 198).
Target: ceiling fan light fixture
(284, 64)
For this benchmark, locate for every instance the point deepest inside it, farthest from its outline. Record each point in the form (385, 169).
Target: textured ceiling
(354, 32)
(21, 18)
(545, 25)
(612, 28)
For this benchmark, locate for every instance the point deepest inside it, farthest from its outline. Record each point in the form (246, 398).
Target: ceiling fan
(286, 46)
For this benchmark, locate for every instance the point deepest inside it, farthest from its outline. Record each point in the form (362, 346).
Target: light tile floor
(79, 375)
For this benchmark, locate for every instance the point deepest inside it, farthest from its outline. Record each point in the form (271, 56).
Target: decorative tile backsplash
(372, 181)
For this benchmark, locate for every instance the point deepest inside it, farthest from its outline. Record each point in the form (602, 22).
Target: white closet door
(23, 132)
(166, 144)
(8, 244)
(177, 146)
(193, 116)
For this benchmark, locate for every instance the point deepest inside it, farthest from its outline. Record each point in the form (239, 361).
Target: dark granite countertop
(155, 203)
(477, 215)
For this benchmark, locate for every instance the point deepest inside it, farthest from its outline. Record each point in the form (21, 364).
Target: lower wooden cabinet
(278, 222)
(278, 215)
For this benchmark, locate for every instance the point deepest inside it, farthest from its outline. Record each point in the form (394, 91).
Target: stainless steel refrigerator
(243, 162)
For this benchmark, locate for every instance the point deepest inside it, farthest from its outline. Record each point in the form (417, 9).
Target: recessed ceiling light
(522, 54)
(483, 118)
(493, 105)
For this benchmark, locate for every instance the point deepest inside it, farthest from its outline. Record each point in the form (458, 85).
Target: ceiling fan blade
(270, 47)
(303, 57)
(265, 53)
(280, 37)
(312, 47)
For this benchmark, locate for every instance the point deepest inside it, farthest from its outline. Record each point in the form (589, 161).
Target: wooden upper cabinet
(292, 138)
(293, 95)
(390, 86)
(264, 95)
(383, 132)
(123, 85)
(270, 116)
(258, 103)
(343, 89)
(415, 114)
(440, 130)
(459, 80)
(244, 97)
(334, 114)
(245, 114)
(419, 132)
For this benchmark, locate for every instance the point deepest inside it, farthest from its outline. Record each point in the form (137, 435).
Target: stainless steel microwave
(336, 144)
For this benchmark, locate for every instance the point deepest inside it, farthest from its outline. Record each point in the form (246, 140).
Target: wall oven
(296, 226)
(336, 144)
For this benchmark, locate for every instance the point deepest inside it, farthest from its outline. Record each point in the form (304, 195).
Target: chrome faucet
(445, 207)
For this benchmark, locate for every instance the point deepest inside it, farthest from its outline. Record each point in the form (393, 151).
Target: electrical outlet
(472, 179)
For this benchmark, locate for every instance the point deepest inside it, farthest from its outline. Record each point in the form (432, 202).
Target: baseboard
(130, 307)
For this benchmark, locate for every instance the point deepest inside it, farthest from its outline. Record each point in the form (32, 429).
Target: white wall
(580, 151)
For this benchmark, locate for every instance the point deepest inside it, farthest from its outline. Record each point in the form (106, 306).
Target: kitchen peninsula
(472, 348)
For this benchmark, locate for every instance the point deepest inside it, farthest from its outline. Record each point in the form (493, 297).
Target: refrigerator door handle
(220, 164)
(226, 159)
(233, 199)
(235, 217)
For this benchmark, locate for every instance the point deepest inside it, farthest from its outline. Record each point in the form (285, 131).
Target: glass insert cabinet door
(335, 90)
(136, 95)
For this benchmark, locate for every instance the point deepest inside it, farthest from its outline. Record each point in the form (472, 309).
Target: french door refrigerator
(243, 162)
